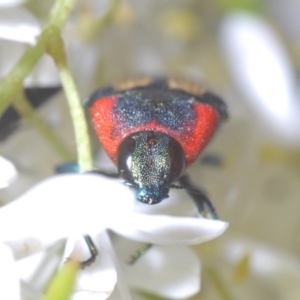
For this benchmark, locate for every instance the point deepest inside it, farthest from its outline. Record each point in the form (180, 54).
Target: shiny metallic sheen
(152, 168)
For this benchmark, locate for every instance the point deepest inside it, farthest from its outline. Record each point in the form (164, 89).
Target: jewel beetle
(153, 129)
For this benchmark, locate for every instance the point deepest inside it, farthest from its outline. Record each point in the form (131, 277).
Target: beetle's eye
(177, 160)
(125, 159)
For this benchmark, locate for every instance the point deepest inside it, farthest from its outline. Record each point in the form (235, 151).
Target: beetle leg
(203, 204)
(137, 254)
(72, 167)
(211, 160)
(93, 251)
(110, 174)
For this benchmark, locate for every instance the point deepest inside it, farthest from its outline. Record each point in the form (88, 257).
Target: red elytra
(193, 139)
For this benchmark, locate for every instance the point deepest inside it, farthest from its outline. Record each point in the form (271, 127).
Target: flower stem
(56, 49)
(108, 18)
(12, 83)
(25, 109)
(96, 25)
(60, 12)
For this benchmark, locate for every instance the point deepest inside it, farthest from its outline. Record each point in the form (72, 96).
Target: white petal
(278, 269)
(98, 280)
(17, 24)
(262, 71)
(5, 3)
(165, 230)
(178, 204)
(8, 172)
(27, 246)
(77, 204)
(168, 271)
(9, 287)
(64, 205)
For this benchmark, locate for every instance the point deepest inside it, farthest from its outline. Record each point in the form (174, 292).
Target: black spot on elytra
(171, 109)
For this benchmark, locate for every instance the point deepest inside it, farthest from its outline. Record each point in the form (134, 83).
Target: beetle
(153, 129)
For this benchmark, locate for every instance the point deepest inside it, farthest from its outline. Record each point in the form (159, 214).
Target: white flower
(18, 28)
(277, 270)
(9, 3)
(262, 71)
(17, 24)
(73, 205)
(168, 271)
(9, 288)
(8, 172)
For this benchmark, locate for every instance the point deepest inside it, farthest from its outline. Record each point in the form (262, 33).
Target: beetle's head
(149, 161)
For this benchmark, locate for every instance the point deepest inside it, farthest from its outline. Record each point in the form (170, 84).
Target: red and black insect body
(153, 129)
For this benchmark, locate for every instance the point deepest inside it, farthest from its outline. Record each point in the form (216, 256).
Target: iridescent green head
(150, 161)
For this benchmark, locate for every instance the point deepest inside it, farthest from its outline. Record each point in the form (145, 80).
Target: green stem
(60, 12)
(92, 30)
(48, 41)
(25, 109)
(56, 49)
(62, 285)
(108, 18)
(12, 83)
